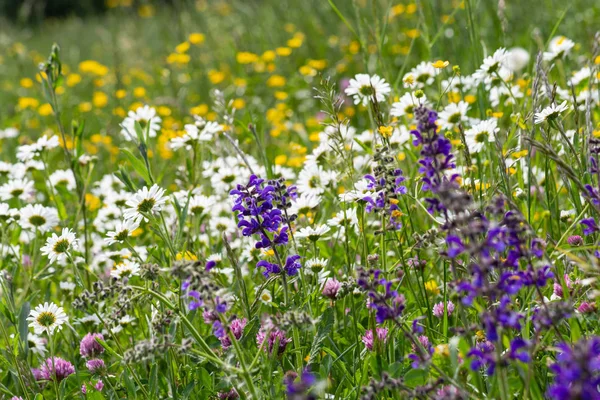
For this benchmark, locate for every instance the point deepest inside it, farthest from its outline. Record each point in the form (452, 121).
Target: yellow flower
(412, 33)
(268, 56)
(45, 109)
(597, 60)
(432, 287)
(216, 76)
(119, 94)
(139, 91)
(85, 106)
(280, 159)
(385, 131)
(276, 81)
(27, 102)
(93, 67)
(200, 110)
(196, 38)
(470, 99)
(279, 95)
(283, 51)
(317, 64)
(73, 79)
(295, 42)
(246, 57)
(354, 47)
(240, 82)
(92, 202)
(182, 47)
(178, 58)
(439, 64)
(238, 104)
(307, 70)
(26, 83)
(100, 99)
(188, 256)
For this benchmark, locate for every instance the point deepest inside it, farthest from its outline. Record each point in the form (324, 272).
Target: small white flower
(365, 88)
(145, 201)
(265, 297)
(304, 204)
(491, 65)
(125, 269)
(453, 114)
(517, 58)
(57, 247)
(482, 133)
(559, 46)
(200, 131)
(47, 318)
(200, 205)
(550, 113)
(122, 231)
(38, 217)
(312, 234)
(37, 344)
(146, 117)
(17, 188)
(406, 104)
(63, 177)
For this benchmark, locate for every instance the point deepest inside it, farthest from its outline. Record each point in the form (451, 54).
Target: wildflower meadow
(300, 199)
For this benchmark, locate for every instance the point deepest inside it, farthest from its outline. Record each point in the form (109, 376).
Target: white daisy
(47, 318)
(304, 204)
(9, 133)
(200, 204)
(125, 269)
(146, 117)
(453, 114)
(199, 131)
(17, 188)
(63, 177)
(551, 112)
(365, 88)
(6, 213)
(122, 231)
(38, 217)
(491, 65)
(517, 58)
(57, 247)
(37, 344)
(480, 134)
(559, 46)
(315, 265)
(145, 201)
(265, 297)
(406, 104)
(312, 234)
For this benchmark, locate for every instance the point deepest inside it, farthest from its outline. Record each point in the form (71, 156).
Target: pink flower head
(56, 369)
(331, 288)
(274, 336)
(89, 347)
(367, 339)
(95, 365)
(438, 309)
(586, 307)
(237, 329)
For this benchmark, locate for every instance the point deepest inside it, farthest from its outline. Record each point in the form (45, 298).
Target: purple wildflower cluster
(496, 245)
(259, 209)
(387, 302)
(386, 183)
(577, 370)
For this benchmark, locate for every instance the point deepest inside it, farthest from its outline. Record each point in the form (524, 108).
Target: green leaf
(323, 329)
(137, 164)
(23, 325)
(416, 377)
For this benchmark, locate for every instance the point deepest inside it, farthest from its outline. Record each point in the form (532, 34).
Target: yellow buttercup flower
(439, 64)
(432, 287)
(45, 109)
(385, 131)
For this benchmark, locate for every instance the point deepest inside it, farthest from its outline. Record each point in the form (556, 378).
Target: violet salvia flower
(577, 370)
(56, 369)
(95, 365)
(386, 183)
(300, 389)
(89, 347)
(368, 338)
(589, 226)
(256, 212)
(388, 304)
(484, 356)
(519, 350)
(420, 357)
